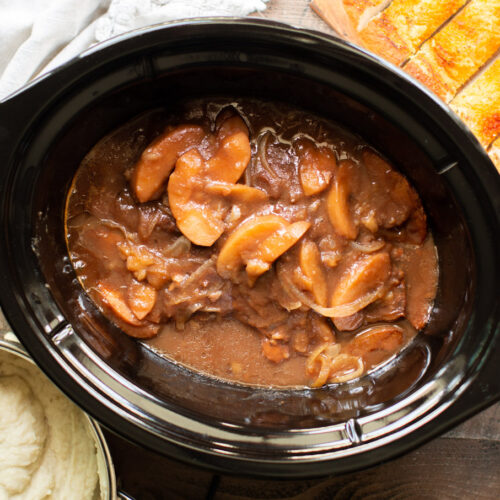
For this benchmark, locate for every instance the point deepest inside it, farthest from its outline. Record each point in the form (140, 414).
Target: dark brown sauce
(226, 325)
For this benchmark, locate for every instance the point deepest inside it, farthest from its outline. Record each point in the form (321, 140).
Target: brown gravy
(253, 242)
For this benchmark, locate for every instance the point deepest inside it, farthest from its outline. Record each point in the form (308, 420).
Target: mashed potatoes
(46, 451)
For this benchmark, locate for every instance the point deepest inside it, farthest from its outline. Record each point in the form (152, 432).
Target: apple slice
(244, 241)
(231, 126)
(364, 277)
(381, 337)
(202, 229)
(238, 192)
(158, 160)
(231, 159)
(274, 246)
(197, 215)
(141, 299)
(316, 166)
(310, 265)
(337, 202)
(114, 299)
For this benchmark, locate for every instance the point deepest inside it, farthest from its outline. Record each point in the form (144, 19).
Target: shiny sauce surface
(253, 242)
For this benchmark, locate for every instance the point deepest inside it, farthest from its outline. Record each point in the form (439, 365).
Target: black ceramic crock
(450, 371)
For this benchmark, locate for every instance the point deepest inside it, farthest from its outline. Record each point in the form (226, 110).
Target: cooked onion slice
(345, 367)
(261, 153)
(337, 202)
(340, 311)
(379, 337)
(324, 355)
(179, 247)
(370, 247)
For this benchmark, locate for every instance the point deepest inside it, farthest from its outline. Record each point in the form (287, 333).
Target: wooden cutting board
(451, 46)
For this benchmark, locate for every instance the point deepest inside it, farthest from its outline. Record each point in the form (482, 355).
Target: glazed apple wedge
(200, 191)
(339, 211)
(363, 278)
(158, 160)
(316, 166)
(113, 299)
(257, 243)
(310, 265)
(237, 192)
(274, 246)
(244, 242)
(231, 159)
(199, 217)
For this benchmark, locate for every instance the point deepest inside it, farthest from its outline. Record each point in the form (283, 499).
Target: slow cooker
(447, 374)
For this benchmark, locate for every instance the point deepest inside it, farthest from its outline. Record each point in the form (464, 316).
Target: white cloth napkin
(38, 35)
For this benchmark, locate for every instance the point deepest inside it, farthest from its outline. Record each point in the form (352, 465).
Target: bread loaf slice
(450, 58)
(494, 153)
(478, 104)
(347, 17)
(398, 31)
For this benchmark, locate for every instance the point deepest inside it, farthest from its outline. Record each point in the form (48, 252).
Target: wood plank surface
(463, 464)
(295, 12)
(439, 470)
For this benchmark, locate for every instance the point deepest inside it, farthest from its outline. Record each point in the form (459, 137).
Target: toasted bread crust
(344, 16)
(479, 104)
(360, 11)
(452, 56)
(494, 153)
(418, 20)
(428, 74)
(398, 31)
(382, 37)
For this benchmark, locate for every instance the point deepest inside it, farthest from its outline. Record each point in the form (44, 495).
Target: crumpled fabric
(39, 35)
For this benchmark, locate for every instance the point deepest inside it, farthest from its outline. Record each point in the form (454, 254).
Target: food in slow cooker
(252, 241)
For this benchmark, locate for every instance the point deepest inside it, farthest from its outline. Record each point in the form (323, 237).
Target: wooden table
(463, 464)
